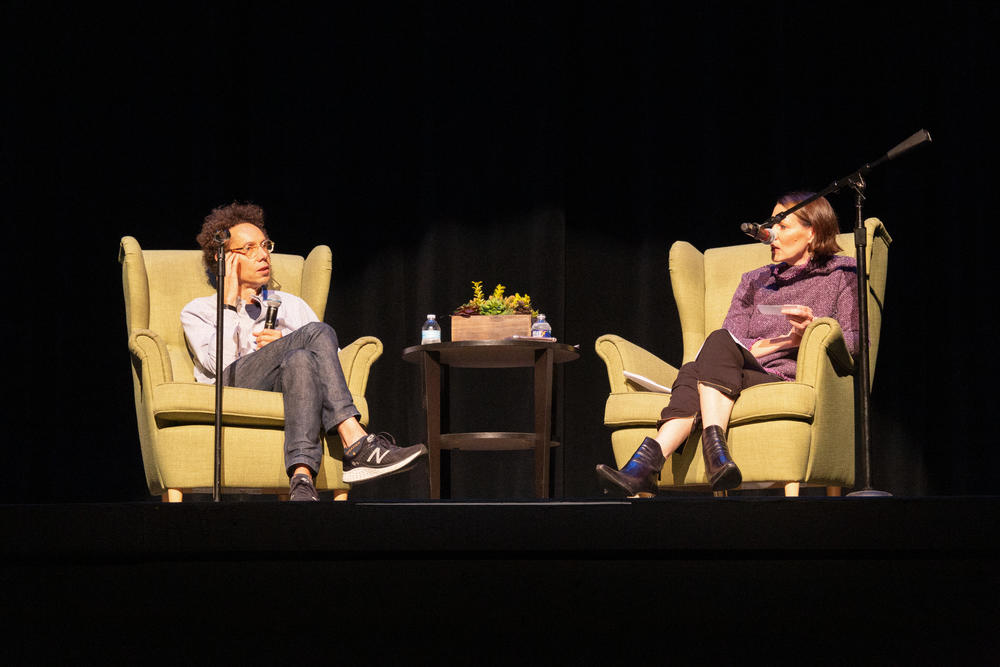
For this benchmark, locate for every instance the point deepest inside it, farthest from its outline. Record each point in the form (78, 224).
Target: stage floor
(910, 577)
(659, 528)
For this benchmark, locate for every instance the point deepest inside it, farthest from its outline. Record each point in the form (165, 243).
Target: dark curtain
(556, 148)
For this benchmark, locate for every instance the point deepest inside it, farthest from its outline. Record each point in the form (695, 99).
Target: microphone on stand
(272, 303)
(917, 138)
(764, 234)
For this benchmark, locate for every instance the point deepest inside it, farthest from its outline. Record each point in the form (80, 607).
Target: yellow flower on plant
(496, 303)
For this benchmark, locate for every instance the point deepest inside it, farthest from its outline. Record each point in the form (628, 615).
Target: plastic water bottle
(541, 328)
(431, 331)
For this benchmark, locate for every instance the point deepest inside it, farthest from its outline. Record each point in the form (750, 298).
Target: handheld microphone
(272, 303)
(765, 235)
(222, 236)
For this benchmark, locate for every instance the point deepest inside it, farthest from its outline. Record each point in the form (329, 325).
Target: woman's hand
(799, 317)
(266, 336)
(231, 283)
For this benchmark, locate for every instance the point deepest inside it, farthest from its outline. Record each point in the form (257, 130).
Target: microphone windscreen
(917, 138)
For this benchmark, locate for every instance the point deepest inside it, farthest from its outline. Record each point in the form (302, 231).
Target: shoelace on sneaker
(370, 440)
(382, 435)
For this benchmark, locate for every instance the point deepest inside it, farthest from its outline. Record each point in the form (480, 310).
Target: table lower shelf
(490, 441)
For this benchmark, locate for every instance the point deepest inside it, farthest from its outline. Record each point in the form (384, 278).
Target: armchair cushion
(775, 400)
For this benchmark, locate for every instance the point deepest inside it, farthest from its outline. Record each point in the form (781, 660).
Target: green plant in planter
(496, 303)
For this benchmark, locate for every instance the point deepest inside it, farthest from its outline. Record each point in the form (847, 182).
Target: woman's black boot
(638, 476)
(719, 466)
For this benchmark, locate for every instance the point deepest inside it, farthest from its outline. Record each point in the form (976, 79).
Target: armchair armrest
(823, 345)
(357, 359)
(621, 355)
(150, 351)
(825, 364)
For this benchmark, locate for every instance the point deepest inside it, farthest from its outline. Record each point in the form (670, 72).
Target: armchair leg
(833, 490)
(791, 489)
(172, 496)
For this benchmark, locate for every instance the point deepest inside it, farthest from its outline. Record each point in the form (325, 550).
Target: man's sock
(354, 447)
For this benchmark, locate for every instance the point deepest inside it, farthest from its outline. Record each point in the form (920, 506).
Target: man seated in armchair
(298, 356)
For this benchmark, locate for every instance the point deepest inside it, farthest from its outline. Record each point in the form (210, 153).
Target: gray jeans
(305, 367)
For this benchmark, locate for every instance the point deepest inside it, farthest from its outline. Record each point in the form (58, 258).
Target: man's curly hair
(222, 218)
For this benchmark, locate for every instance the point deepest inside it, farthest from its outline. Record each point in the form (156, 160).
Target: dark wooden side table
(508, 353)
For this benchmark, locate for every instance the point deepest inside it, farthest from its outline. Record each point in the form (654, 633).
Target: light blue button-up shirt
(199, 321)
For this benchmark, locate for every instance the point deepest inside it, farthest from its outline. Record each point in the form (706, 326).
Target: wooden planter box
(489, 327)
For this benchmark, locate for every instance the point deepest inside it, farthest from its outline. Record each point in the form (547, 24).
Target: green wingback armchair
(782, 434)
(176, 415)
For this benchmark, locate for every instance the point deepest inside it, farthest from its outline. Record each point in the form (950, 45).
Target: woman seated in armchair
(807, 280)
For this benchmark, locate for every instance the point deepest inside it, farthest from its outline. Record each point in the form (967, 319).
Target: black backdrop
(557, 148)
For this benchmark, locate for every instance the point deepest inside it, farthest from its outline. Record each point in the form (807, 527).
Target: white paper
(645, 382)
(770, 310)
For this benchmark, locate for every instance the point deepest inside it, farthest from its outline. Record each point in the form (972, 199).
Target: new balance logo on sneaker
(377, 455)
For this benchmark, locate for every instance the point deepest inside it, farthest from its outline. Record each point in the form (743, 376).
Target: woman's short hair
(223, 218)
(821, 218)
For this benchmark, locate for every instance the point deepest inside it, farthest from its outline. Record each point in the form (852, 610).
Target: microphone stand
(862, 387)
(220, 274)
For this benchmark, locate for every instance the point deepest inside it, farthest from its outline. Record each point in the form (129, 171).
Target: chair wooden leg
(172, 496)
(791, 489)
(833, 490)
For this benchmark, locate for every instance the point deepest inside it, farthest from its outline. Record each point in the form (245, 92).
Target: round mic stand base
(868, 493)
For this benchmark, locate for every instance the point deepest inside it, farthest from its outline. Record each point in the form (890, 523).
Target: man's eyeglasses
(252, 248)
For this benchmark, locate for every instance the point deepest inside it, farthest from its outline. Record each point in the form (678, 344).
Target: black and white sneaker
(301, 487)
(377, 455)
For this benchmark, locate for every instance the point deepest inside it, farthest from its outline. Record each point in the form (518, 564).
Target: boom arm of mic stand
(914, 140)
